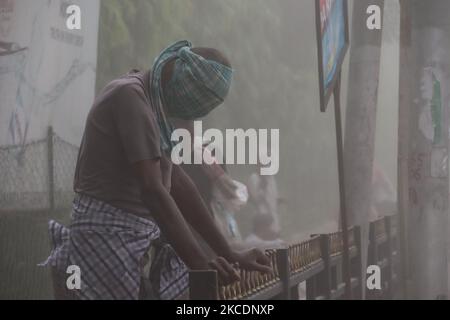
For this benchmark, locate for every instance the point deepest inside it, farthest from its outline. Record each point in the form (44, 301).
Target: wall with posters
(47, 78)
(47, 72)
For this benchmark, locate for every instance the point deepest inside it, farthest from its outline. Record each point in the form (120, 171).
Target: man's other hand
(253, 259)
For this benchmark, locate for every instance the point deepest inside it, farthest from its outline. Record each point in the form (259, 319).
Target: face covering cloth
(196, 88)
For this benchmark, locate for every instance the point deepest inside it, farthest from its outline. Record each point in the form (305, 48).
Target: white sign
(47, 70)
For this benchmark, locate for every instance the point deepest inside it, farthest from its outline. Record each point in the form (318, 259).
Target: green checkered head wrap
(197, 86)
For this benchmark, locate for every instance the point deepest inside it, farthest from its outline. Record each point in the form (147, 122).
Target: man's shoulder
(127, 84)
(126, 88)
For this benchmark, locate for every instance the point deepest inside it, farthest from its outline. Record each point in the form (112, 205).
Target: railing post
(357, 265)
(51, 171)
(390, 267)
(324, 285)
(311, 288)
(285, 273)
(373, 254)
(373, 251)
(203, 285)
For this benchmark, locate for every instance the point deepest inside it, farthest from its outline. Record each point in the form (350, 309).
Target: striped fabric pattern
(108, 245)
(197, 87)
(156, 93)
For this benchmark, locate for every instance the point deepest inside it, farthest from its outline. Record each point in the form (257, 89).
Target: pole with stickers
(333, 43)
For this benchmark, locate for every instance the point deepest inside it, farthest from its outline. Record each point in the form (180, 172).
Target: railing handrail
(315, 261)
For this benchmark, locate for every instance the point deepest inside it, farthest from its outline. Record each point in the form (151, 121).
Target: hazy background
(272, 47)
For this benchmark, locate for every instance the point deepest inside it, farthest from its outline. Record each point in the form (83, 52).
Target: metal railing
(318, 262)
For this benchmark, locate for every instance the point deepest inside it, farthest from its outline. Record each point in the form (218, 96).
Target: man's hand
(196, 213)
(227, 274)
(253, 259)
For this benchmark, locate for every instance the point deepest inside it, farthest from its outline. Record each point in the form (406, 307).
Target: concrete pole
(403, 140)
(428, 147)
(365, 56)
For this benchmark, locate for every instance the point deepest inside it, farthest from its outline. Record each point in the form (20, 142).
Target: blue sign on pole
(333, 43)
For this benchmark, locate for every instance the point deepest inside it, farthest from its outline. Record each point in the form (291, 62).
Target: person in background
(263, 235)
(263, 192)
(206, 175)
(224, 196)
(225, 210)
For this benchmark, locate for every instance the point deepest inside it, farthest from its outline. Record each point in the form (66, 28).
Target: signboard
(333, 43)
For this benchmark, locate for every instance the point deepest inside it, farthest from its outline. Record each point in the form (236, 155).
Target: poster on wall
(47, 72)
(333, 43)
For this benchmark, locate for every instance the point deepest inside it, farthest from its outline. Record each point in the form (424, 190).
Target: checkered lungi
(109, 246)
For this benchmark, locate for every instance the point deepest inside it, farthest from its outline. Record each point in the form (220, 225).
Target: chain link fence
(37, 176)
(35, 186)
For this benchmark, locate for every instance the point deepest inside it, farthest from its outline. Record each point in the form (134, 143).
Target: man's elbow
(182, 183)
(152, 193)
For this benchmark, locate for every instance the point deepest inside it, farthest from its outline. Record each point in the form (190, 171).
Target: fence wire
(38, 175)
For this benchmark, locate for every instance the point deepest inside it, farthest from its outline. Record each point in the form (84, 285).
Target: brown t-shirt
(121, 129)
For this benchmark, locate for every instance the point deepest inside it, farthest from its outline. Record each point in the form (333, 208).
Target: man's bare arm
(197, 214)
(166, 213)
